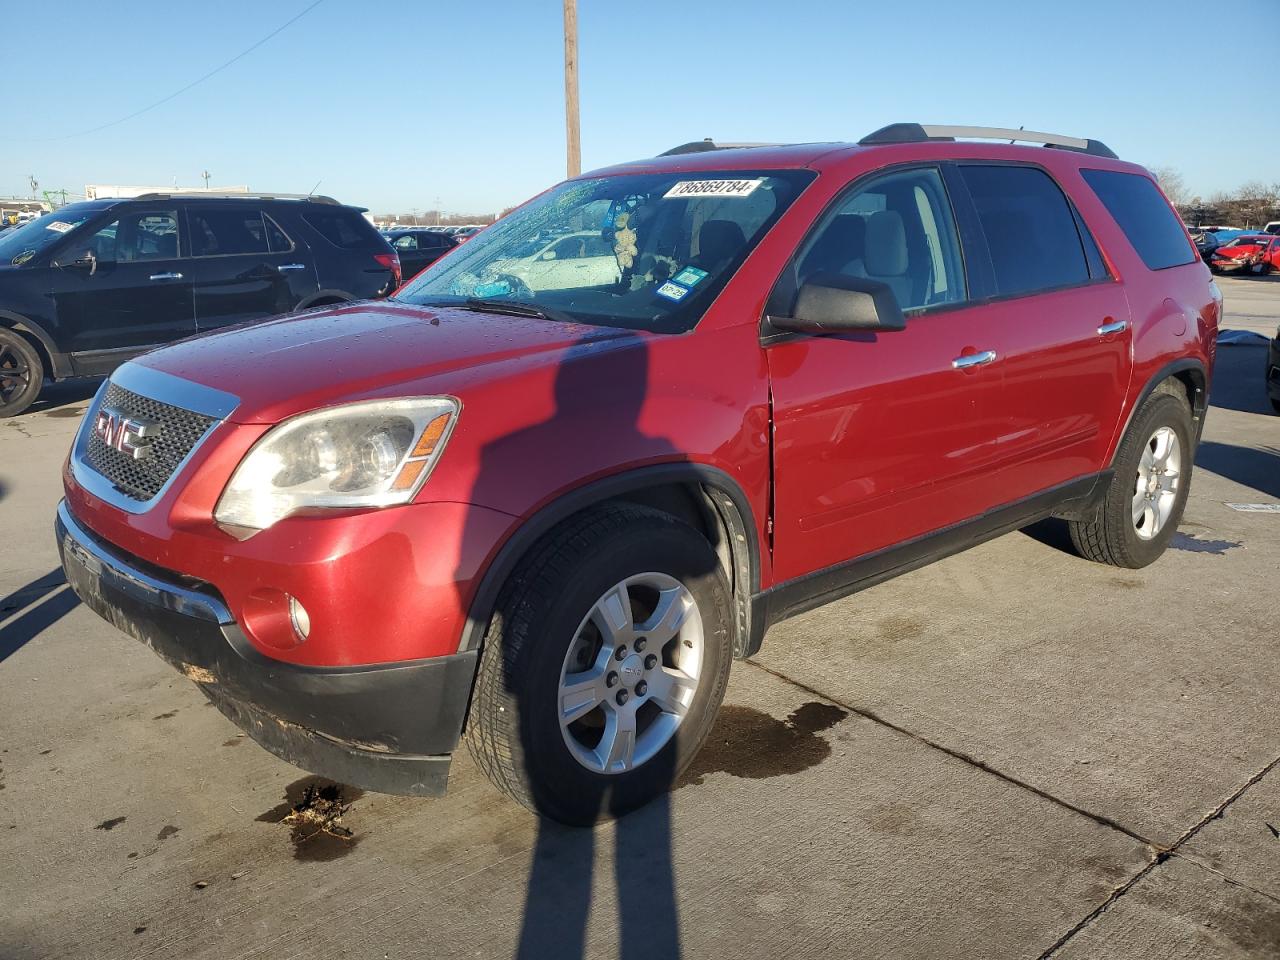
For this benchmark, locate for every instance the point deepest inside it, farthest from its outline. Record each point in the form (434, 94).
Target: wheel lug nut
(650, 661)
(640, 641)
(641, 688)
(622, 697)
(611, 680)
(620, 653)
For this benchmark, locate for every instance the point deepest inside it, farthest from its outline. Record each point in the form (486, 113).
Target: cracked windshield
(645, 252)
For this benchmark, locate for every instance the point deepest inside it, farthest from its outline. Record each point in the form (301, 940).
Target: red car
(1257, 253)
(549, 520)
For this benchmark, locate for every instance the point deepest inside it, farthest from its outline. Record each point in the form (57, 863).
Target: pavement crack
(964, 758)
(1165, 854)
(1227, 879)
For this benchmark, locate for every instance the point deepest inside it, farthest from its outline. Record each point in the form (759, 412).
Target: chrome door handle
(973, 359)
(1117, 326)
(291, 266)
(166, 276)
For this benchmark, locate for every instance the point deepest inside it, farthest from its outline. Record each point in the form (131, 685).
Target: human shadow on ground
(599, 390)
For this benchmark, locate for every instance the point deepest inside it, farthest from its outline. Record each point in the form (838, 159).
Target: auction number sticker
(713, 188)
(58, 226)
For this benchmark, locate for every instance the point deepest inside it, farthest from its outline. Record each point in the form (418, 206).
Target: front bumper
(387, 727)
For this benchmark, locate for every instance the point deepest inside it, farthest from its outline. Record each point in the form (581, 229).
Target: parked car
(552, 518)
(87, 287)
(466, 233)
(1255, 253)
(419, 248)
(1206, 243)
(1272, 227)
(580, 259)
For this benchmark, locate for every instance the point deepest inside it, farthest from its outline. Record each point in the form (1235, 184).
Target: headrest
(720, 240)
(886, 245)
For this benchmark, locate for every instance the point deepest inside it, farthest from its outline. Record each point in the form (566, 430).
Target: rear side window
(222, 232)
(1030, 229)
(346, 230)
(1145, 217)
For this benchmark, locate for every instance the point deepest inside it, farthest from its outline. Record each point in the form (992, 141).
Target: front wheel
(1148, 491)
(21, 373)
(604, 665)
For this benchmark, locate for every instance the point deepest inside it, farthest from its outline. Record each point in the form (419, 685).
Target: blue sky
(392, 105)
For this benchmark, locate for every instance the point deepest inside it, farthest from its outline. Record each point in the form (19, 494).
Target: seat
(886, 258)
(167, 246)
(718, 242)
(841, 244)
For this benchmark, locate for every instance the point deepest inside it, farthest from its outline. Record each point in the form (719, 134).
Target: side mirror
(549, 255)
(88, 262)
(833, 302)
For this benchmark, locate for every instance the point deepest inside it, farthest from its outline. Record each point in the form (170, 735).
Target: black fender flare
(61, 365)
(726, 498)
(340, 295)
(1199, 400)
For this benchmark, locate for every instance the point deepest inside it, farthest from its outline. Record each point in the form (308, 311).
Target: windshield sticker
(690, 276)
(58, 226)
(713, 188)
(672, 291)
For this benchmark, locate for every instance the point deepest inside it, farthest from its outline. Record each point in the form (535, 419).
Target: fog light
(300, 619)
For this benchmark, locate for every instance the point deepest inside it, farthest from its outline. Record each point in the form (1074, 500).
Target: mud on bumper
(389, 728)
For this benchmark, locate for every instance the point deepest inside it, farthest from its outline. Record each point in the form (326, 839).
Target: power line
(194, 83)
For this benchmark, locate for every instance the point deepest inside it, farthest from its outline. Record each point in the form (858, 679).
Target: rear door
(1062, 321)
(123, 287)
(880, 437)
(244, 265)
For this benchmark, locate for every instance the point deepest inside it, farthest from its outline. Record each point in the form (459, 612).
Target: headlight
(370, 454)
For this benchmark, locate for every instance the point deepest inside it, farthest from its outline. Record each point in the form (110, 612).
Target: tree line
(1250, 206)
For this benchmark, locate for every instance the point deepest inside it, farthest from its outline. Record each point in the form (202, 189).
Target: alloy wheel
(1156, 490)
(631, 673)
(14, 373)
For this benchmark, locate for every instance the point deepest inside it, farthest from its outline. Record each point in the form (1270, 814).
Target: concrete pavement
(1013, 753)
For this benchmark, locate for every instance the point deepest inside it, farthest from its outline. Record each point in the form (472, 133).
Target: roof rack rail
(235, 194)
(702, 146)
(921, 132)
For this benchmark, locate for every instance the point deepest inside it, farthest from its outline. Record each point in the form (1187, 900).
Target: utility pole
(573, 143)
(206, 179)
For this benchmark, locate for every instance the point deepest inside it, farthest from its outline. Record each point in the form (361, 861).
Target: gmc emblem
(130, 435)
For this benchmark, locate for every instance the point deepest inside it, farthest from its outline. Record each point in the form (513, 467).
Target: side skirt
(1075, 499)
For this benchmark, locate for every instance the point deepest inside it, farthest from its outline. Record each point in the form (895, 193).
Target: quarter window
(1145, 217)
(896, 229)
(1030, 229)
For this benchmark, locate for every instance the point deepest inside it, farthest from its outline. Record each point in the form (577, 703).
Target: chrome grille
(141, 480)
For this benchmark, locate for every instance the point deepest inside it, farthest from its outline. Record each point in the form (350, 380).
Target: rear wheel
(604, 665)
(21, 373)
(1148, 491)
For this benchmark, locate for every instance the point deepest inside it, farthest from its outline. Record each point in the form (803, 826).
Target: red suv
(542, 497)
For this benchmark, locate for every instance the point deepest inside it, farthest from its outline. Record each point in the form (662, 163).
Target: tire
(21, 373)
(543, 624)
(1116, 535)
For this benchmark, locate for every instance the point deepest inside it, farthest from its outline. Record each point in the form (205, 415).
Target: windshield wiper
(514, 308)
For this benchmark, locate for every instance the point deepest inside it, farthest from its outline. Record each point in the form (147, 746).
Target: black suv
(91, 285)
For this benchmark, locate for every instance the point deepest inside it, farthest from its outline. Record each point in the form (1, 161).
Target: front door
(880, 437)
(123, 288)
(244, 265)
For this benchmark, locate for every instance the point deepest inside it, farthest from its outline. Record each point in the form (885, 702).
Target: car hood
(342, 354)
